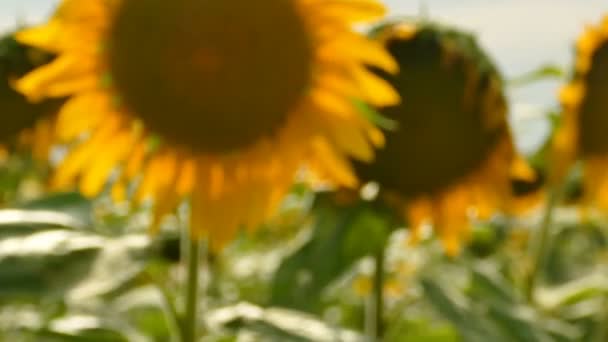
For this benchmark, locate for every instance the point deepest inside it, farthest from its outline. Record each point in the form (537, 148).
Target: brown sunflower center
(443, 132)
(213, 76)
(594, 108)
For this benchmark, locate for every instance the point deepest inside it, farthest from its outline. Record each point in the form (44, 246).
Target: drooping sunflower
(582, 132)
(23, 123)
(451, 157)
(218, 101)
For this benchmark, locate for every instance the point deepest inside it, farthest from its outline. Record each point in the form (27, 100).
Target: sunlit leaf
(275, 324)
(68, 203)
(44, 218)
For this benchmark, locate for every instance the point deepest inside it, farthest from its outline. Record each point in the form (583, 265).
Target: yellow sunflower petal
(62, 77)
(351, 10)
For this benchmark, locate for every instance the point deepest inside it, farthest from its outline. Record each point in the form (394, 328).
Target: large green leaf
(341, 235)
(276, 324)
(67, 203)
(119, 262)
(65, 210)
(67, 264)
(45, 263)
(81, 328)
(19, 221)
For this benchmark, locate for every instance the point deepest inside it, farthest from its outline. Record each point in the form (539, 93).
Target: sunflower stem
(190, 321)
(378, 293)
(539, 247)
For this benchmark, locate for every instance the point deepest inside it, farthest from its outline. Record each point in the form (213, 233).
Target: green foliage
(341, 235)
(77, 281)
(421, 330)
(68, 203)
(542, 73)
(51, 260)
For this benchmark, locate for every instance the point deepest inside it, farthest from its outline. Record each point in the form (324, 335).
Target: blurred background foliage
(75, 269)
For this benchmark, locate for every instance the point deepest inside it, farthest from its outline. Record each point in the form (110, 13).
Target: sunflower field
(302, 170)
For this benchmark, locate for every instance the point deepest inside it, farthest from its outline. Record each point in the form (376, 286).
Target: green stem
(539, 248)
(169, 309)
(190, 322)
(379, 296)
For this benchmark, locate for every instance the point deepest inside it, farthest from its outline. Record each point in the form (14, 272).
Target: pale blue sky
(543, 29)
(519, 34)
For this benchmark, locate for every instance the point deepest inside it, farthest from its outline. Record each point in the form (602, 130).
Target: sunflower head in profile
(582, 133)
(23, 122)
(218, 101)
(451, 156)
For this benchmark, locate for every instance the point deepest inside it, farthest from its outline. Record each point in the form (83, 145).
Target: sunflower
(23, 123)
(451, 156)
(221, 102)
(582, 134)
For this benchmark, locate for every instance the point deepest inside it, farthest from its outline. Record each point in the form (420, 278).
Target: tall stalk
(377, 329)
(190, 321)
(541, 244)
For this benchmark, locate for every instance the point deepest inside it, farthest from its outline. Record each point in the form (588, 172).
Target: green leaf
(68, 265)
(45, 263)
(573, 251)
(119, 263)
(492, 297)
(83, 328)
(517, 323)
(490, 286)
(91, 335)
(458, 310)
(68, 203)
(375, 116)
(594, 285)
(276, 324)
(142, 307)
(543, 72)
(367, 234)
(421, 330)
(341, 235)
(42, 219)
